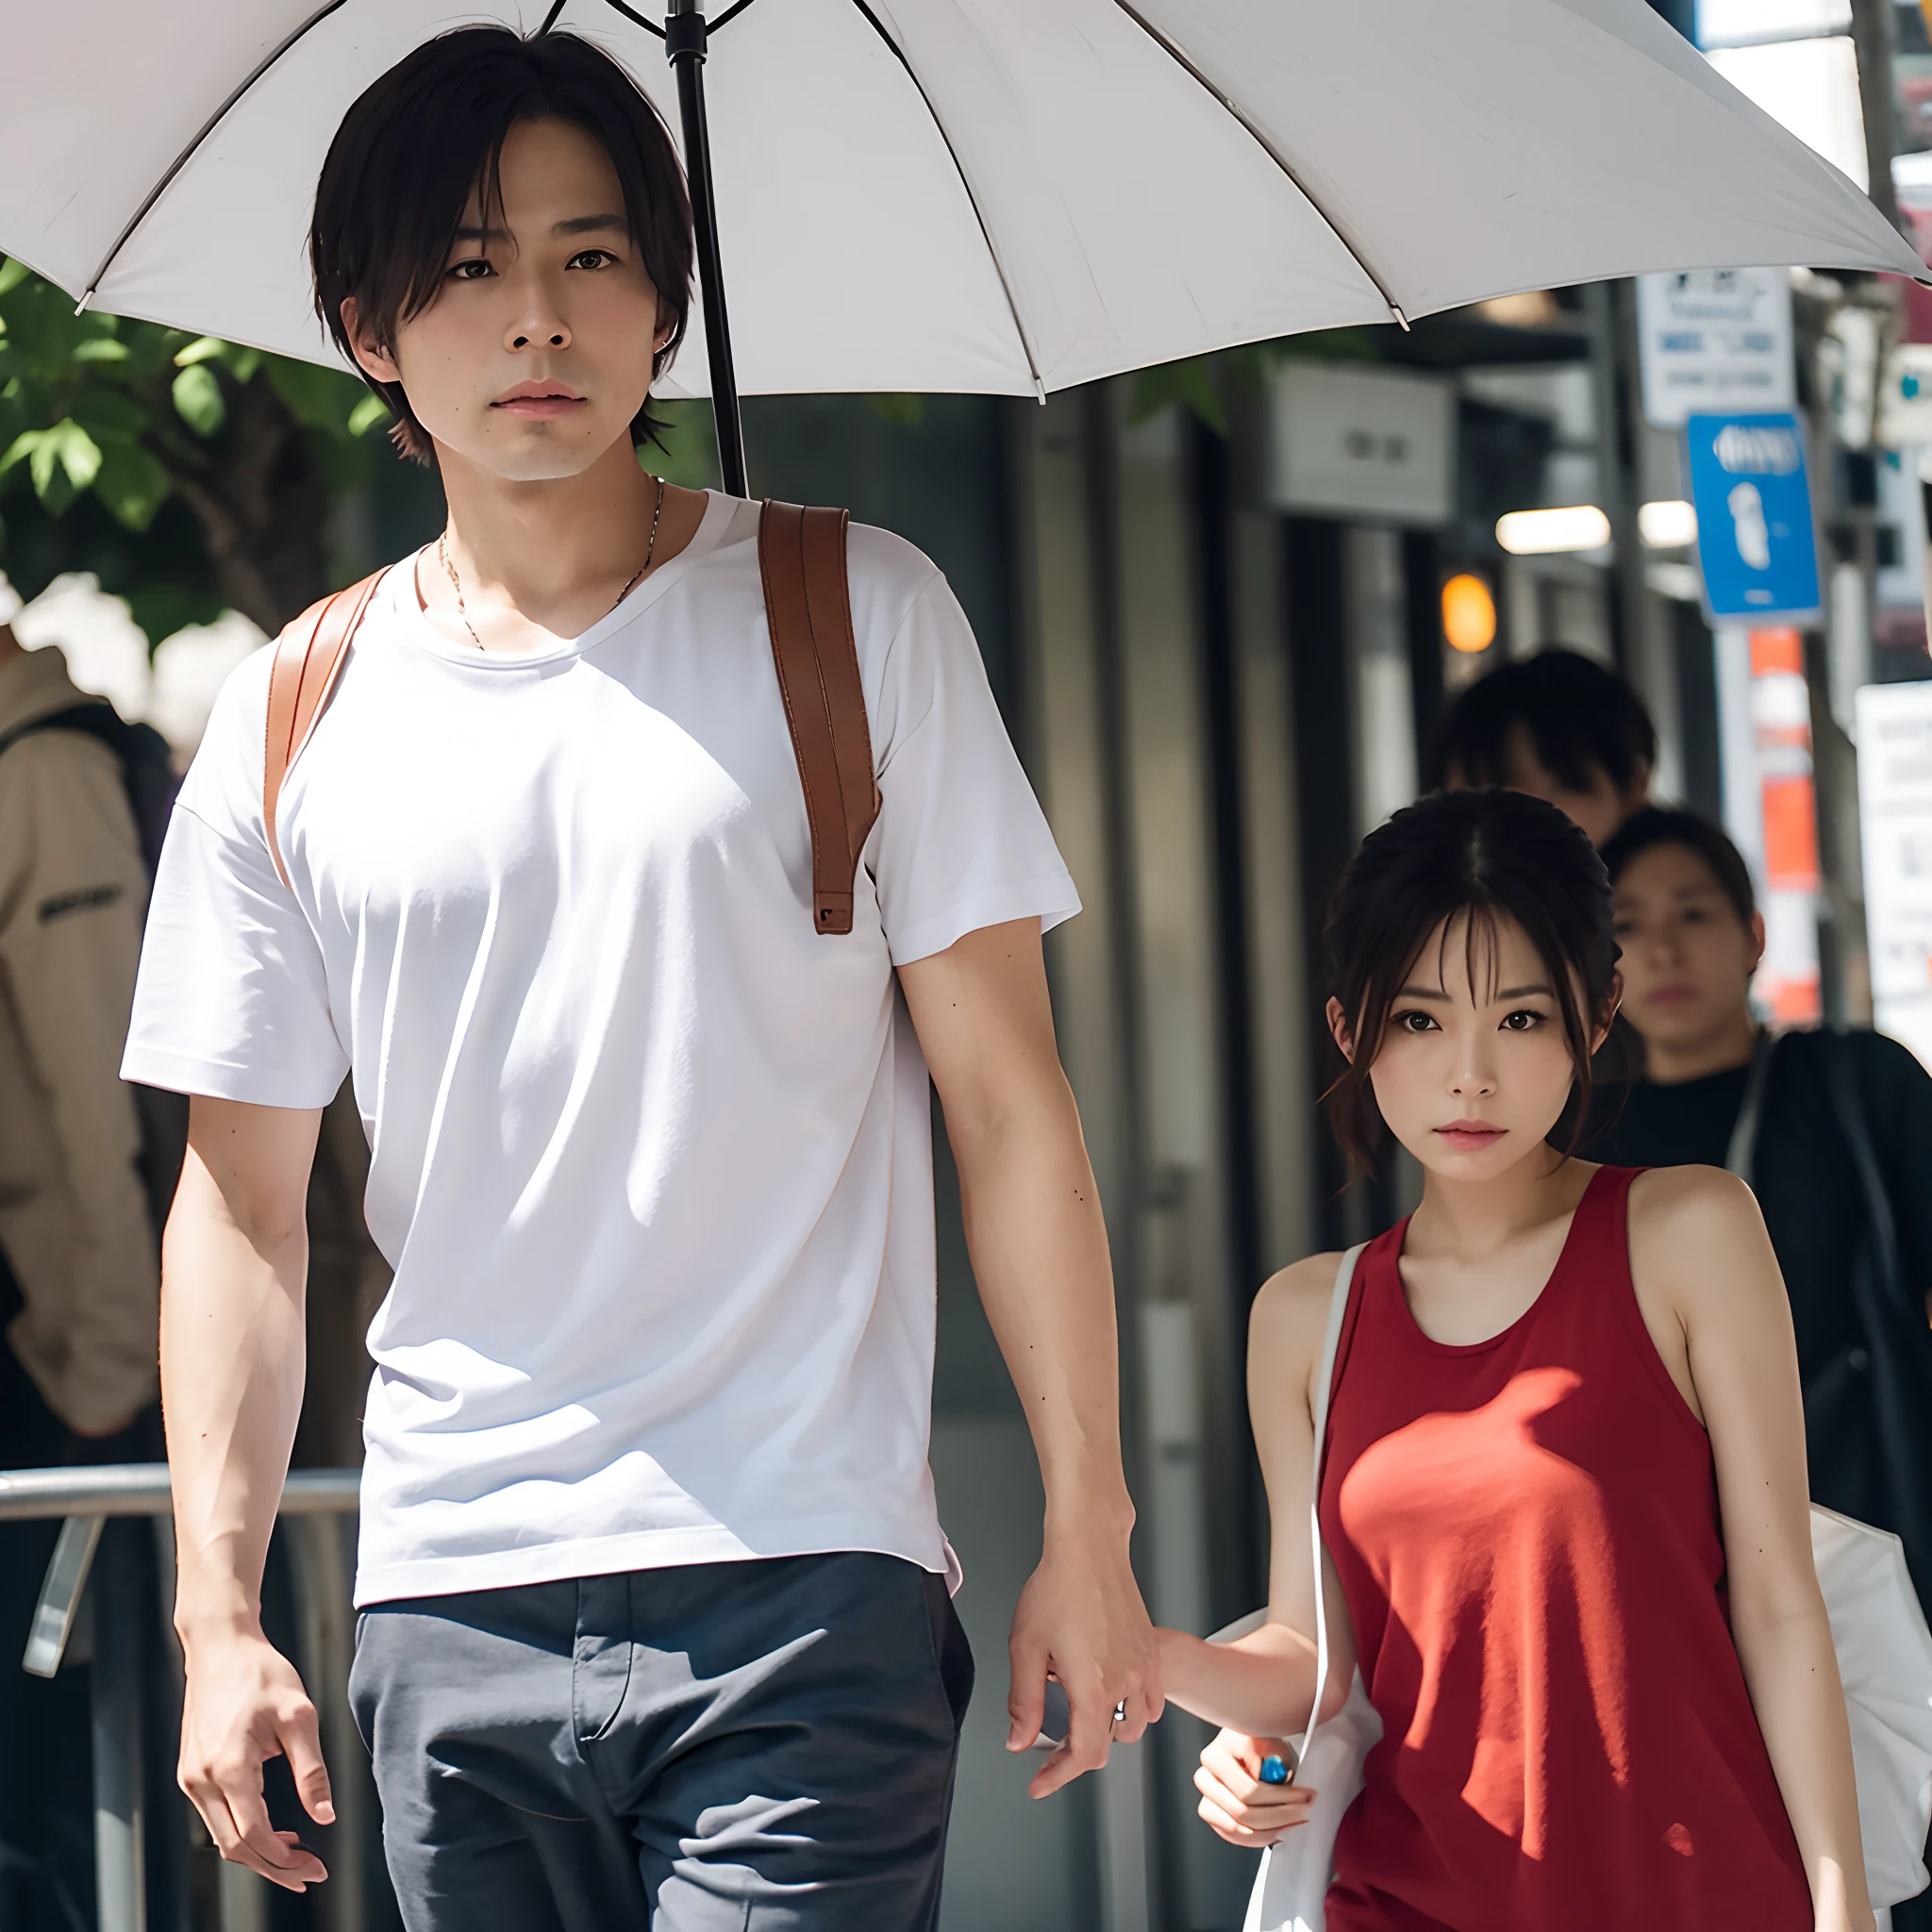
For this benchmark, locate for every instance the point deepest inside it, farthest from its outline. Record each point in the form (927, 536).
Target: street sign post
(1755, 538)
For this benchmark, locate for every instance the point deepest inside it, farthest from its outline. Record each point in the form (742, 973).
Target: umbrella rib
(193, 147)
(898, 54)
(631, 14)
(1181, 60)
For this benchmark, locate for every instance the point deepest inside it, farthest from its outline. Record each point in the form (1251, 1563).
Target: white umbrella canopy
(1003, 197)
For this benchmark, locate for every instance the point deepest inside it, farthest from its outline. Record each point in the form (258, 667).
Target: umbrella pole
(684, 46)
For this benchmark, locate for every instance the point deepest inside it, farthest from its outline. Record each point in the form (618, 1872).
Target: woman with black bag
(1834, 1132)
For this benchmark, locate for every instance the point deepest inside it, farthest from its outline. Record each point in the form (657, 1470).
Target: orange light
(1469, 613)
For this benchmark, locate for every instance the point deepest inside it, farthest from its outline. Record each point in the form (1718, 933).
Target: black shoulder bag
(1868, 1412)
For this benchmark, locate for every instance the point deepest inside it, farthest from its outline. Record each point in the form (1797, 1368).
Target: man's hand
(244, 1706)
(1081, 1619)
(1235, 1802)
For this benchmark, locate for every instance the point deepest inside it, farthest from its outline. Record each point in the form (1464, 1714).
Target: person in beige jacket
(75, 1227)
(79, 1276)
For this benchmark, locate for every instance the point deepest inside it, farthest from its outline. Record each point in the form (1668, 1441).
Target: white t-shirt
(650, 1157)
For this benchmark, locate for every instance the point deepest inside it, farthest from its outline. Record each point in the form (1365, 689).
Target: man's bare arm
(1040, 1253)
(234, 1267)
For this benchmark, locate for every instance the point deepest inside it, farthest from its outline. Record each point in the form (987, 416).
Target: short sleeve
(232, 999)
(962, 842)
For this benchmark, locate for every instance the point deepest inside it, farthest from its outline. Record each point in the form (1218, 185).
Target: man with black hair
(655, 1629)
(1559, 727)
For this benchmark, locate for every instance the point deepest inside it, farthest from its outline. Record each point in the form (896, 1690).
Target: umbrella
(996, 196)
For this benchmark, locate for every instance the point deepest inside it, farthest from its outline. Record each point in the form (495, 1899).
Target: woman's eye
(1522, 1020)
(1415, 1022)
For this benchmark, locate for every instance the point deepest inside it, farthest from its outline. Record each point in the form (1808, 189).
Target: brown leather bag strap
(809, 605)
(308, 660)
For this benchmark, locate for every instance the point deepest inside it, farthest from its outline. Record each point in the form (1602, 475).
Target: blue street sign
(1755, 538)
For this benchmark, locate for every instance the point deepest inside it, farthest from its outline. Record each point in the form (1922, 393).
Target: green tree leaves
(63, 459)
(198, 399)
(370, 410)
(131, 416)
(96, 402)
(131, 484)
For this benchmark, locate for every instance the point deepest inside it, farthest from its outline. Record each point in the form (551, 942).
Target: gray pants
(722, 1745)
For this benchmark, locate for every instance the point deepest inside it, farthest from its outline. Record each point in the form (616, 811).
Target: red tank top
(1527, 1530)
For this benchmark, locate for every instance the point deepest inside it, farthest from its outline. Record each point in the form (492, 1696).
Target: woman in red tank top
(1563, 1491)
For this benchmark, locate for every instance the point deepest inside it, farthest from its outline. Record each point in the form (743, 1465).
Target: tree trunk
(262, 504)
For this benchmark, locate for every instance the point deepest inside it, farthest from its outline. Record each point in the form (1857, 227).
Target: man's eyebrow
(577, 225)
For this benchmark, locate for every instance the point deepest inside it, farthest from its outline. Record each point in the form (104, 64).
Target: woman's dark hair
(1578, 715)
(1490, 859)
(416, 142)
(1655, 826)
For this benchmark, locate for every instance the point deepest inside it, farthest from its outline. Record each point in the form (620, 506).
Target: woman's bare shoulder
(1290, 1311)
(1285, 1328)
(1692, 1204)
(1698, 1232)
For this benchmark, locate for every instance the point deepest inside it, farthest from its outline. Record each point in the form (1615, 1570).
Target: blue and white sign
(1755, 538)
(1715, 338)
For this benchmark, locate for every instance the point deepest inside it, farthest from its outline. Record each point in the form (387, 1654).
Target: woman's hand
(1235, 1801)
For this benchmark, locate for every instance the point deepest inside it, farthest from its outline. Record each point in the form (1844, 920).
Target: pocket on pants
(362, 1699)
(952, 1653)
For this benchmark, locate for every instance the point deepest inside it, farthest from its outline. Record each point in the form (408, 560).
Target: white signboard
(1715, 341)
(1896, 828)
(1905, 398)
(1373, 443)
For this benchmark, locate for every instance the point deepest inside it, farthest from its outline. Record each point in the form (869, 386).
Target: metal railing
(86, 1498)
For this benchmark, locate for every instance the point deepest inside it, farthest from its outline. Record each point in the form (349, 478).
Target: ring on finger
(1119, 1711)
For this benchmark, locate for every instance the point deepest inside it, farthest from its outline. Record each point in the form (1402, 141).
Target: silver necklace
(455, 583)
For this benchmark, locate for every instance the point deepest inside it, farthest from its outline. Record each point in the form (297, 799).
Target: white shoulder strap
(1337, 1307)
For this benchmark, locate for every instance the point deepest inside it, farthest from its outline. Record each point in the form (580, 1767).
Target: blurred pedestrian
(1561, 1494)
(1558, 726)
(1834, 1131)
(79, 1276)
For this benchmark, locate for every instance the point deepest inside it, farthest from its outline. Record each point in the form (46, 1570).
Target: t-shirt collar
(400, 590)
